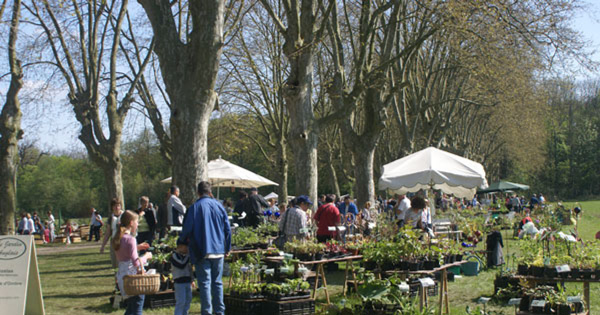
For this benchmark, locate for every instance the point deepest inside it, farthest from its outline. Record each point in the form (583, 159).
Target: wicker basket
(141, 284)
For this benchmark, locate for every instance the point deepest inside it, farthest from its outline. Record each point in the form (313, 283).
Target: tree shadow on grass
(72, 254)
(103, 308)
(101, 276)
(77, 296)
(96, 263)
(86, 270)
(111, 275)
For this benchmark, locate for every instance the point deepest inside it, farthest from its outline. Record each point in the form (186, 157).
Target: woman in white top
(413, 215)
(51, 226)
(111, 228)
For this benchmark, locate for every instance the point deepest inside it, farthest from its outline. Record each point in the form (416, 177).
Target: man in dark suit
(253, 206)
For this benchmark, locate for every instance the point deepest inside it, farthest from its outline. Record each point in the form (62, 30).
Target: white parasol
(432, 168)
(222, 173)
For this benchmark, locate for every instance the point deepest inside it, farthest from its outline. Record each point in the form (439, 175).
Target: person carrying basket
(126, 250)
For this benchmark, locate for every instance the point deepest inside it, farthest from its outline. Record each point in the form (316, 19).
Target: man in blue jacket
(206, 228)
(348, 206)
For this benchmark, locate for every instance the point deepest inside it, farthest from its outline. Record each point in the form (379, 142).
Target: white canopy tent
(222, 173)
(432, 168)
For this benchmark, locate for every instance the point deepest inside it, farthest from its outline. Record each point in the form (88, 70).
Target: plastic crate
(294, 307)
(162, 303)
(235, 306)
(160, 299)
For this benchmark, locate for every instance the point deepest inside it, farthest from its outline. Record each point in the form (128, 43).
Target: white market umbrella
(222, 173)
(272, 195)
(432, 168)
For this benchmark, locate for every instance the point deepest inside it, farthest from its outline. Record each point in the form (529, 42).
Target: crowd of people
(30, 225)
(205, 233)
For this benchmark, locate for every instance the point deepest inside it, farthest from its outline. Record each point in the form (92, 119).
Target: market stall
(433, 168)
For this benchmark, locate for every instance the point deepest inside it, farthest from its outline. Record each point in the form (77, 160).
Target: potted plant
(317, 250)
(561, 303)
(528, 251)
(575, 267)
(529, 294)
(586, 264)
(353, 247)
(273, 291)
(368, 261)
(537, 266)
(431, 258)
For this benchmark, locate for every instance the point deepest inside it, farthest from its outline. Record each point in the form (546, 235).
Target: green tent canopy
(503, 186)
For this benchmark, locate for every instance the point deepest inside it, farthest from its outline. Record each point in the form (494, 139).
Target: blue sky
(56, 129)
(588, 23)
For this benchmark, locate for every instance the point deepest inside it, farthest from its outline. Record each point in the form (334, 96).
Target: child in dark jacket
(182, 276)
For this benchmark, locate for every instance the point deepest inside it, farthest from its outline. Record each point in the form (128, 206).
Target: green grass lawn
(81, 281)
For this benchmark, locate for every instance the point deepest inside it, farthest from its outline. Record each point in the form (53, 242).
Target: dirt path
(50, 250)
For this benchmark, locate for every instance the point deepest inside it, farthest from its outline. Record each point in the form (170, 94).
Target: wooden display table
(444, 303)
(320, 273)
(586, 286)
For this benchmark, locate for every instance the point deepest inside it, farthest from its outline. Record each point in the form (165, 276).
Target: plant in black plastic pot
(537, 266)
(558, 301)
(273, 291)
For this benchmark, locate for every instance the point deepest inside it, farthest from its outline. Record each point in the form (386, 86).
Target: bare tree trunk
(334, 179)
(189, 132)
(189, 65)
(112, 178)
(303, 136)
(301, 35)
(365, 185)
(283, 171)
(10, 132)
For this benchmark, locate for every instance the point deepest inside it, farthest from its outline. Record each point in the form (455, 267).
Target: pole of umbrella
(431, 200)
(431, 197)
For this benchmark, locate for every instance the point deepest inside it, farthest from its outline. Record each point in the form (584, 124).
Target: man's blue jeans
(135, 305)
(183, 298)
(209, 273)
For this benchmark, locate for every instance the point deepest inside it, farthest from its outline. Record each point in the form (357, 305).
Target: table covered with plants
(542, 264)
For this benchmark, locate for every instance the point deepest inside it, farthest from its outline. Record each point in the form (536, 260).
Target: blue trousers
(183, 298)
(209, 273)
(135, 305)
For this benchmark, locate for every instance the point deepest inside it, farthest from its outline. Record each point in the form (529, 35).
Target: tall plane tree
(10, 128)
(302, 32)
(81, 43)
(258, 71)
(387, 33)
(189, 43)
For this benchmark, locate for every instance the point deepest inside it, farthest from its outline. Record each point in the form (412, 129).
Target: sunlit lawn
(81, 281)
